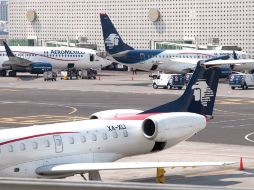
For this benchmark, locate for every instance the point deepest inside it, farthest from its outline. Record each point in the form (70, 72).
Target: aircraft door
(58, 143)
(92, 57)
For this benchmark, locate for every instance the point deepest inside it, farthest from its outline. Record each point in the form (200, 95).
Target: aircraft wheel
(169, 86)
(155, 86)
(3, 73)
(233, 88)
(244, 87)
(12, 74)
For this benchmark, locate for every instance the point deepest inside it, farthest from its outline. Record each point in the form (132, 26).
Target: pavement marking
(247, 137)
(233, 120)
(73, 109)
(233, 126)
(230, 112)
(236, 101)
(40, 119)
(8, 90)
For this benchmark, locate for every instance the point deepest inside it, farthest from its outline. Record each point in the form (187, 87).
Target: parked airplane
(64, 149)
(169, 61)
(37, 60)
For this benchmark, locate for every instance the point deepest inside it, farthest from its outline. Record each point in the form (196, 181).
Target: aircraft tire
(3, 73)
(244, 87)
(155, 86)
(12, 74)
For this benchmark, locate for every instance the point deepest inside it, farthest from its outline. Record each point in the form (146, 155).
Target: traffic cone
(241, 164)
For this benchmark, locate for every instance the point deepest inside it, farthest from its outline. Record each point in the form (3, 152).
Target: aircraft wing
(229, 62)
(14, 60)
(78, 168)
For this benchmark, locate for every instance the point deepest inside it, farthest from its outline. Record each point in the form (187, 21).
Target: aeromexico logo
(112, 40)
(202, 92)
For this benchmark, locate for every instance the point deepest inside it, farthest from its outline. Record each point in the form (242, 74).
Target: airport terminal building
(141, 23)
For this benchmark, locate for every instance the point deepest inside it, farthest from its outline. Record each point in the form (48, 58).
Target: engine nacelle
(114, 113)
(173, 127)
(40, 68)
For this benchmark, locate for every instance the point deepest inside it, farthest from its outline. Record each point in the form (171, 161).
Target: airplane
(89, 146)
(37, 60)
(169, 61)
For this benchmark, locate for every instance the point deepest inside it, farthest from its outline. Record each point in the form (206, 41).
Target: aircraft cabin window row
(58, 142)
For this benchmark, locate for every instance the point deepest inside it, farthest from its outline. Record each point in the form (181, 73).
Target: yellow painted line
(234, 101)
(8, 90)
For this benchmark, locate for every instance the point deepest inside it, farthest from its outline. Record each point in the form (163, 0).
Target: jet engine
(114, 113)
(172, 127)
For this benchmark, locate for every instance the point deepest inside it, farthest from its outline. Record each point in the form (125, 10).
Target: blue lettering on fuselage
(68, 52)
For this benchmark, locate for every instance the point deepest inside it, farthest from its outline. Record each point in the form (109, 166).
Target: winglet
(8, 50)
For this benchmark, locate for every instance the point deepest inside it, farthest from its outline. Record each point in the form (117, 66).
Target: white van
(241, 80)
(169, 81)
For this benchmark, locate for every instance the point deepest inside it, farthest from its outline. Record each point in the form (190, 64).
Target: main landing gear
(92, 176)
(3, 73)
(12, 73)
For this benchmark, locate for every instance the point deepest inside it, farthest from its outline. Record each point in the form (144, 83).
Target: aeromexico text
(66, 52)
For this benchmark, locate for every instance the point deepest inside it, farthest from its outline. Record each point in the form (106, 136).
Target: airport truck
(241, 80)
(169, 81)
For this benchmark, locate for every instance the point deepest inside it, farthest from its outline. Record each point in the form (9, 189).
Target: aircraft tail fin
(112, 40)
(199, 96)
(8, 50)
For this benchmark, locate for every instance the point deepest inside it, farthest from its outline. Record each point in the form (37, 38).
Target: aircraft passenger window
(22, 147)
(47, 144)
(125, 133)
(35, 145)
(115, 135)
(94, 138)
(10, 148)
(71, 140)
(83, 139)
(104, 136)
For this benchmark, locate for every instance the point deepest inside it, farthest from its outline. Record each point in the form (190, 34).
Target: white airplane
(169, 61)
(37, 60)
(64, 149)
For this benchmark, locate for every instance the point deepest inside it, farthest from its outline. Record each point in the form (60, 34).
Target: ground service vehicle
(49, 75)
(241, 80)
(88, 74)
(169, 81)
